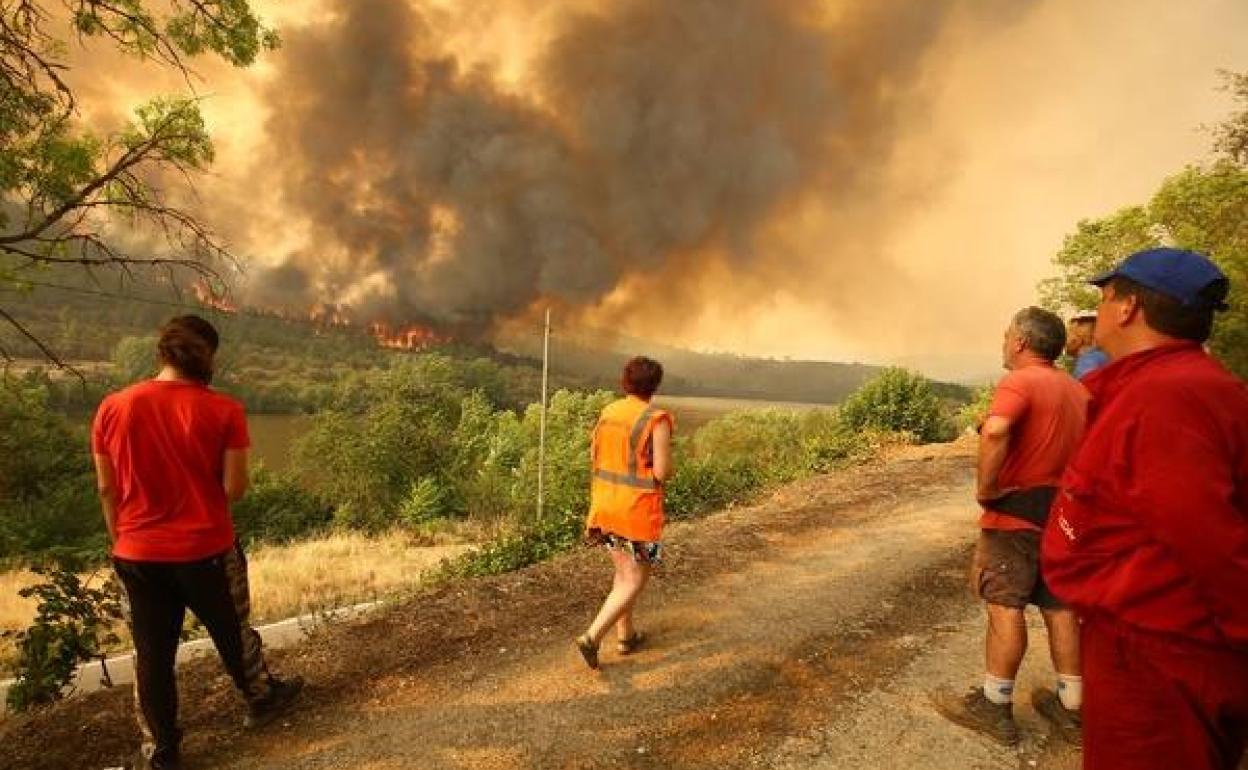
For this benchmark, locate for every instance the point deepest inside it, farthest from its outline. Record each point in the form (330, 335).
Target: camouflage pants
(156, 597)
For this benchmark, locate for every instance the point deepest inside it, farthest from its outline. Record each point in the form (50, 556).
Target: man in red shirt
(1148, 538)
(170, 456)
(1033, 425)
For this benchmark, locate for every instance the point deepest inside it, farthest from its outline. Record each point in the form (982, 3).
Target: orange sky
(1018, 129)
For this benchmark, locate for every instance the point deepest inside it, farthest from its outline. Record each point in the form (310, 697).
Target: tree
(1231, 137)
(63, 186)
(1203, 208)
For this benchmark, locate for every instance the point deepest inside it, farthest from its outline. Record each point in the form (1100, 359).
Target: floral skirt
(642, 552)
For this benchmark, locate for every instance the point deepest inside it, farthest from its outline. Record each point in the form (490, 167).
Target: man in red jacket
(1148, 538)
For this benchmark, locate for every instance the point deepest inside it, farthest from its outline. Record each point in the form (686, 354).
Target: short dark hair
(1168, 315)
(641, 377)
(1042, 331)
(188, 344)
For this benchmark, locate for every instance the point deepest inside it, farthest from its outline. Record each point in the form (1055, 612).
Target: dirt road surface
(802, 633)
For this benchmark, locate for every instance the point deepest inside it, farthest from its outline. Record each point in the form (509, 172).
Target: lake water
(273, 434)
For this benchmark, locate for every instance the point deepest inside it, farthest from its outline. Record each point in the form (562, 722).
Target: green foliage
(430, 443)
(1231, 136)
(134, 359)
(63, 187)
(1203, 208)
(1200, 208)
(898, 401)
(1094, 247)
(1206, 209)
(47, 488)
(73, 624)
(704, 484)
(529, 543)
(970, 416)
(277, 509)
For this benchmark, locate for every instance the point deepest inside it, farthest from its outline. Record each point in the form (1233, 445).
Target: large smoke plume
(650, 140)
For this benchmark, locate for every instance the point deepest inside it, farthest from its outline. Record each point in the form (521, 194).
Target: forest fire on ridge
(407, 336)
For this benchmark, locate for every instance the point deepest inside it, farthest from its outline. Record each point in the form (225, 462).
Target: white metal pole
(541, 439)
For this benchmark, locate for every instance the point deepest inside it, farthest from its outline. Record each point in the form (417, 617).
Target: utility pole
(541, 436)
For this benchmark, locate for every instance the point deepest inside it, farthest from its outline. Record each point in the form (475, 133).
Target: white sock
(998, 691)
(1070, 691)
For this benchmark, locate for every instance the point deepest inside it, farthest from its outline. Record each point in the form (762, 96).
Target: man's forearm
(109, 507)
(992, 454)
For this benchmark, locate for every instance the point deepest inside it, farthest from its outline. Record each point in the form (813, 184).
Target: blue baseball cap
(1184, 275)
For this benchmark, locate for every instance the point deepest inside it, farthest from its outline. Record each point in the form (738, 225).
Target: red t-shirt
(1047, 409)
(166, 440)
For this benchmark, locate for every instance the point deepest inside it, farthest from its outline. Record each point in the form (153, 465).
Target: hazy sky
(897, 207)
(1077, 109)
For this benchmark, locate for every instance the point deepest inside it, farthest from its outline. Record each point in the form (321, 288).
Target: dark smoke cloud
(657, 135)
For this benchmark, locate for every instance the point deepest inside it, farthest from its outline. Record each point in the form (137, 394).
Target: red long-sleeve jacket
(1151, 523)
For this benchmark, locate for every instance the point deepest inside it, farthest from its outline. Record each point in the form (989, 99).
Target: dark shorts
(1006, 570)
(642, 552)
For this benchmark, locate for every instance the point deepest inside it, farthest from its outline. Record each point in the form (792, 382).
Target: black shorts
(1006, 570)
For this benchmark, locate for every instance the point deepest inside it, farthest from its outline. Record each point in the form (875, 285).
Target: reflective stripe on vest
(625, 480)
(631, 479)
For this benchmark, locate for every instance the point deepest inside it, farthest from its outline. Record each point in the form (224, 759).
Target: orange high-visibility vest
(625, 497)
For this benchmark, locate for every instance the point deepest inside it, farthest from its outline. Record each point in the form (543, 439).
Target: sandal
(630, 644)
(588, 650)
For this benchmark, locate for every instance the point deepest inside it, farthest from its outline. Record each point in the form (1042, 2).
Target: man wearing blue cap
(1148, 537)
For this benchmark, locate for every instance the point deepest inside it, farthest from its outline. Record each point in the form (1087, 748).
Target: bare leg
(1063, 640)
(630, 579)
(1006, 641)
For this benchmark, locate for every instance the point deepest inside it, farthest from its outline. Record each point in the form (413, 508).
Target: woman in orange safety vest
(631, 456)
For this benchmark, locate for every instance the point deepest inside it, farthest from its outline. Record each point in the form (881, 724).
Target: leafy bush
(529, 543)
(277, 509)
(73, 625)
(47, 486)
(770, 441)
(971, 415)
(898, 401)
(706, 484)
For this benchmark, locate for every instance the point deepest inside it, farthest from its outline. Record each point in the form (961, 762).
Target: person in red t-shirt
(1149, 534)
(170, 455)
(1033, 426)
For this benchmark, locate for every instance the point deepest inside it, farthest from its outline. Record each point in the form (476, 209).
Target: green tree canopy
(65, 189)
(1203, 208)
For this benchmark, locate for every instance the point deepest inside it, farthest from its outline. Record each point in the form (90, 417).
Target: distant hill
(689, 373)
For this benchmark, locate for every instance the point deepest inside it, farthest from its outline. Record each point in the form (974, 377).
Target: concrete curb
(283, 633)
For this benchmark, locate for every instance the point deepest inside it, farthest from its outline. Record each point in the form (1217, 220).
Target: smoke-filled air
(881, 181)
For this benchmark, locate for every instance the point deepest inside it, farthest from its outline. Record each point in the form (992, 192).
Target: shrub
(897, 401)
(971, 415)
(706, 484)
(73, 625)
(47, 486)
(278, 509)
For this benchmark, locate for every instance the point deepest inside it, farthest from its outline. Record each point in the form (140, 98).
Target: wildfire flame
(210, 298)
(327, 316)
(412, 337)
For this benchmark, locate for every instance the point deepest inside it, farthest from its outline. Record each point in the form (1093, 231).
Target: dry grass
(336, 570)
(287, 580)
(15, 612)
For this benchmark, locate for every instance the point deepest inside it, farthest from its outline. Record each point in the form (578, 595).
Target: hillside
(84, 321)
